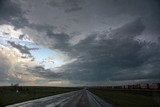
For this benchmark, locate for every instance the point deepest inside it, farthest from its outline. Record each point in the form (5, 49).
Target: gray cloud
(129, 30)
(107, 58)
(113, 13)
(21, 37)
(11, 13)
(73, 5)
(21, 48)
(123, 53)
(117, 58)
(60, 40)
(68, 5)
(4, 67)
(40, 71)
(42, 28)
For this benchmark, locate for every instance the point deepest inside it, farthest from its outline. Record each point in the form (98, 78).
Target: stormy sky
(79, 42)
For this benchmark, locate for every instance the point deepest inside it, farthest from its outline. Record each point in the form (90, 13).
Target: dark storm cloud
(129, 30)
(37, 68)
(68, 5)
(115, 58)
(60, 40)
(11, 13)
(21, 37)
(108, 58)
(21, 48)
(73, 5)
(42, 28)
(40, 71)
(117, 55)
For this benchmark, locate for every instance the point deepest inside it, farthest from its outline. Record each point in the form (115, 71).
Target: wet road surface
(81, 98)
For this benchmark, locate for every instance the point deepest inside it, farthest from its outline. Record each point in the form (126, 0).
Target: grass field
(129, 98)
(123, 98)
(10, 95)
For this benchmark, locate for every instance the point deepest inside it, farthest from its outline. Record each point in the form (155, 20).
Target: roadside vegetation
(15, 94)
(129, 98)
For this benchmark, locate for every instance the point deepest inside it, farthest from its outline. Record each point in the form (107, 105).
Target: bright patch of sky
(48, 58)
(43, 56)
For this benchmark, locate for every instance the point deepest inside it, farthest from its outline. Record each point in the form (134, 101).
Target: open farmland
(10, 95)
(129, 98)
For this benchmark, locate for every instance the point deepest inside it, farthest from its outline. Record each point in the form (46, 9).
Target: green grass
(8, 95)
(129, 99)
